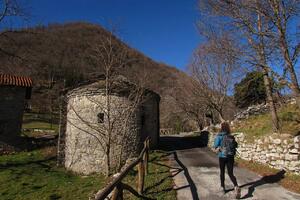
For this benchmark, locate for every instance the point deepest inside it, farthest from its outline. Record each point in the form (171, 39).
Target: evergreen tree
(250, 90)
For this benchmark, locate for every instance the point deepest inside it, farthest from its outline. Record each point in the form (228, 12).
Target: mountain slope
(59, 55)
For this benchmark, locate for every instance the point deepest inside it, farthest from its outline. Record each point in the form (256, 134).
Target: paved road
(196, 174)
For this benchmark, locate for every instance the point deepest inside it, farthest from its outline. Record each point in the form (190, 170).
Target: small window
(100, 118)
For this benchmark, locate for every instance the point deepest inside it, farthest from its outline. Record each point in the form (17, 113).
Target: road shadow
(173, 143)
(175, 172)
(189, 179)
(274, 178)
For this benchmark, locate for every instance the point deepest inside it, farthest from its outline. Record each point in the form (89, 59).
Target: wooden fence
(117, 186)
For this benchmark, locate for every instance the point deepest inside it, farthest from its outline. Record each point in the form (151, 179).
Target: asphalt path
(195, 172)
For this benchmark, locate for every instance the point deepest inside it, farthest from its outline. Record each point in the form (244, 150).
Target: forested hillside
(58, 56)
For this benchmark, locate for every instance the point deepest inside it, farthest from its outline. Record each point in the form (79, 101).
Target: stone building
(14, 91)
(83, 132)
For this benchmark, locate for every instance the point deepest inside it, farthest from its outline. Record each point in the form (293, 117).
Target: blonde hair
(225, 127)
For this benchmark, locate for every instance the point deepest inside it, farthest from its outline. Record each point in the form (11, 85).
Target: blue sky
(164, 30)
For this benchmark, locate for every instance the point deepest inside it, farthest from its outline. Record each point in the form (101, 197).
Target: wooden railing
(117, 186)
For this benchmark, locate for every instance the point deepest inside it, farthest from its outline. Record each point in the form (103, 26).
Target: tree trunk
(220, 115)
(270, 101)
(108, 170)
(267, 82)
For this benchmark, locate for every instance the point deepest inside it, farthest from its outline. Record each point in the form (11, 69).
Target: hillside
(260, 125)
(59, 55)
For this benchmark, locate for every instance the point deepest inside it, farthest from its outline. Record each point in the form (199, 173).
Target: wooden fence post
(118, 192)
(146, 157)
(141, 177)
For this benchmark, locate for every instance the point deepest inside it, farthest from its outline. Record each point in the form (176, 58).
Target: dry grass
(260, 125)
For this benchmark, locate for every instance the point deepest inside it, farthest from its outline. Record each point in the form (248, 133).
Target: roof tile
(22, 81)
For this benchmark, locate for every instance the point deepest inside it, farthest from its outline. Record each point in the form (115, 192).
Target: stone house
(14, 91)
(83, 130)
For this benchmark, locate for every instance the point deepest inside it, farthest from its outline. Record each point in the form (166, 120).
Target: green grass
(158, 183)
(260, 125)
(33, 175)
(33, 121)
(40, 125)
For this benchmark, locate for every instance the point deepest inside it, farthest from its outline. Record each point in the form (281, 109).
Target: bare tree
(253, 31)
(192, 106)
(281, 13)
(213, 67)
(113, 129)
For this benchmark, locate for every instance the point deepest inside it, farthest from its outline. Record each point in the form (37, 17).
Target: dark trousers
(229, 162)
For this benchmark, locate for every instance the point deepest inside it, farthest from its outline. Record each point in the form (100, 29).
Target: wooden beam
(141, 177)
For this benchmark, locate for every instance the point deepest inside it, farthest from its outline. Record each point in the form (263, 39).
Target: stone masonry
(276, 151)
(84, 137)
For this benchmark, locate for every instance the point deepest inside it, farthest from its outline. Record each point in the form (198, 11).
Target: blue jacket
(218, 143)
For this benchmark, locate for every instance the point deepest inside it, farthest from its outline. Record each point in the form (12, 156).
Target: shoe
(237, 192)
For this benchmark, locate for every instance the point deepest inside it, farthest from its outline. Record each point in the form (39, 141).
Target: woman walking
(225, 145)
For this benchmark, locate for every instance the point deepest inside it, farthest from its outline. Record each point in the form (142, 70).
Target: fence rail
(117, 187)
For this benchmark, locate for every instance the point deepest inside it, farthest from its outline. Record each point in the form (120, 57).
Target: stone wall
(276, 151)
(252, 110)
(83, 139)
(12, 101)
(84, 142)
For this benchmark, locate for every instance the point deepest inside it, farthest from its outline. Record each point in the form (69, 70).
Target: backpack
(228, 146)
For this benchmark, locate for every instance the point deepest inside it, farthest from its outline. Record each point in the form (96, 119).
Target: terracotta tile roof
(21, 81)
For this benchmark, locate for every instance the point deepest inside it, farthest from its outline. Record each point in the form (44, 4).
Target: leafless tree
(213, 67)
(113, 131)
(191, 105)
(280, 14)
(253, 30)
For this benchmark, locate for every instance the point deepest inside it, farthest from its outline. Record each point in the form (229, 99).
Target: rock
(259, 141)
(292, 168)
(262, 157)
(295, 157)
(288, 157)
(280, 162)
(266, 140)
(297, 145)
(285, 142)
(279, 149)
(244, 155)
(275, 155)
(281, 156)
(258, 149)
(294, 151)
(295, 163)
(273, 163)
(297, 139)
(277, 141)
